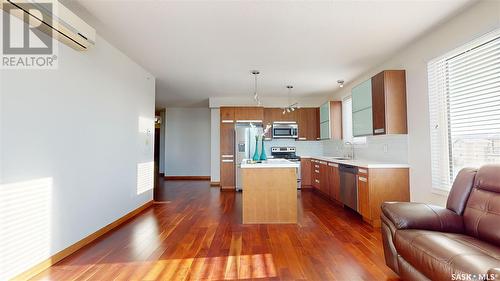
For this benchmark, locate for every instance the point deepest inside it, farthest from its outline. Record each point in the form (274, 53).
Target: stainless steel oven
(285, 130)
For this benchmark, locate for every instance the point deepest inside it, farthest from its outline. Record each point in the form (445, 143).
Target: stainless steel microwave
(285, 130)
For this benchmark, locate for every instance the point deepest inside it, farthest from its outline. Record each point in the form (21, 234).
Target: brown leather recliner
(459, 242)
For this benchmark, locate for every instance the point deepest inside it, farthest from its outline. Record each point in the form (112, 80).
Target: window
(347, 119)
(464, 107)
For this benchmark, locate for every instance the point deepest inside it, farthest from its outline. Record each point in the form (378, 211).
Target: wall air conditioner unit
(54, 19)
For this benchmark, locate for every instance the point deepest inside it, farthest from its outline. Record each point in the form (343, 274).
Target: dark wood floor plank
(195, 233)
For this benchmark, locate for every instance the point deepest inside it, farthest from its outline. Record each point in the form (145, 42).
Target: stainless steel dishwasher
(348, 186)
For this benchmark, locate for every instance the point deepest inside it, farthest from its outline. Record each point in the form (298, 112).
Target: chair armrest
(405, 215)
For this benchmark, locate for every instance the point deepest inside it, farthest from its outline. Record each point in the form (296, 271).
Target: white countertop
(271, 163)
(359, 162)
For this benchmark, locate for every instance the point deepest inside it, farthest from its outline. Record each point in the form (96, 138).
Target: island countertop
(270, 163)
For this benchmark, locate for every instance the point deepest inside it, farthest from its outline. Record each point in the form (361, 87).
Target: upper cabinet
(308, 122)
(379, 105)
(362, 123)
(389, 102)
(362, 96)
(330, 120)
(227, 114)
(249, 113)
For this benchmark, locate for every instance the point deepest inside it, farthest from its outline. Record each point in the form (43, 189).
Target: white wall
(215, 145)
(75, 151)
(474, 22)
(187, 143)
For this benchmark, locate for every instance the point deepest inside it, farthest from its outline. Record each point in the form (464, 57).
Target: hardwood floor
(195, 233)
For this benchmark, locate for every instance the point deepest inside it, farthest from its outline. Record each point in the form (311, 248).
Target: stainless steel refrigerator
(245, 145)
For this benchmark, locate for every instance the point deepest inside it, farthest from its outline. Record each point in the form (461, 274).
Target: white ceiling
(202, 49)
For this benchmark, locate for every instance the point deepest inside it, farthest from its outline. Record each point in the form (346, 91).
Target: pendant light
(255, 94)
(291, 106)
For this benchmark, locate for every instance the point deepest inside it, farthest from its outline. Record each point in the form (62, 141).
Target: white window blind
(464, 106)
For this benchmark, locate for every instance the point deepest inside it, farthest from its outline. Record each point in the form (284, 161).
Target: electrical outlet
(386, 148)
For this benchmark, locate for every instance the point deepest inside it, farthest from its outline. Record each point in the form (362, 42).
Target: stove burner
(285, 153)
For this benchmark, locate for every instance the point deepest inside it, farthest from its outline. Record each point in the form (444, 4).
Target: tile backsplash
(309, 148)
(384, 148)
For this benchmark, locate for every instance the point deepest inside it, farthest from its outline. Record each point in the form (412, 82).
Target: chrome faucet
(350, 155)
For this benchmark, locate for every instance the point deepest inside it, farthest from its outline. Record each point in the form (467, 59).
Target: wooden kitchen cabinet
(324, 186)
(305, 172)
(376, 186)
(334, 181)
(363, 196)
(226, 139)
(249, 113)
(227, 174)
(226, 114)
(330, 118)
(315, 174)
(389, 102)
(227, 168)
(276, 114)
(308, 122)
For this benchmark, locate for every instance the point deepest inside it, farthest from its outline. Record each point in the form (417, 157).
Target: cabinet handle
(363, 179)
(379, 130)
(322, 162)
(333, 165)
(316, 171)
(227, 121)
(318, 138)
(227, 156)
(227, 161)
(316, 166)
(317, 181)
(362, 171)
(302, 138)
(248, 121)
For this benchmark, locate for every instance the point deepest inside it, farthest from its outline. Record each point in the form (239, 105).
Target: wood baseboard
(33, 271)
(187, 178)
(214, 183)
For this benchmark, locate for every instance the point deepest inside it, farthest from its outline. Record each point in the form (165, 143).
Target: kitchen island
(269, 191)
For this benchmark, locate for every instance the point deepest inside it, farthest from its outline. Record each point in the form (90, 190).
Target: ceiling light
(341, 83)
(291, 106)
(256, 97)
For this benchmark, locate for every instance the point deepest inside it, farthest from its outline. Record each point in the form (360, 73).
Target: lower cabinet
(315, 174)
(323, 178)
(305, 173)
(334, 181)
(376, 186)
(227, 174)
(363, 196)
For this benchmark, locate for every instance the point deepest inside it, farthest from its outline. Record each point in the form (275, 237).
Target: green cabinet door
(362, 96)
(324, 112)
(324, 130)
(362, 124)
